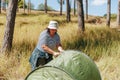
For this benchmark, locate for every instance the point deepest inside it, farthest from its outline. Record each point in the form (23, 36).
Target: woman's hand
(60, 49)
(56, 54)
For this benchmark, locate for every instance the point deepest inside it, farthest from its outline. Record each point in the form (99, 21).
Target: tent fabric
(74, 65)
(48, 73)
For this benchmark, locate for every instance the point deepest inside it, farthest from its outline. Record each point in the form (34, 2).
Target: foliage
(63, 1)
(7, 1)
(41, 7)
(20, 4)
(113, 16)
(31, 5)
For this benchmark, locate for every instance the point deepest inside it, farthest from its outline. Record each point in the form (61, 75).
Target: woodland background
(96, 36)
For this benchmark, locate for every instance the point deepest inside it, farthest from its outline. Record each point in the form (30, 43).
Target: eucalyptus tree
(3, 5)
(118, 14)
(45, 4)
(108, 12)
(0, 6)
(41, 7)
(86, 1)
(24, 5)
(10, 23)
(61, 2)
(80, 11)
(20, 4)
(68, 17)
(29, 6)
(74, 7)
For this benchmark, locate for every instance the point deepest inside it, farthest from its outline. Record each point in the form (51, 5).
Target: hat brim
(52, 27)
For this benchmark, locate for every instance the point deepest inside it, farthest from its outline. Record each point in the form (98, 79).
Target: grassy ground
(98, 41)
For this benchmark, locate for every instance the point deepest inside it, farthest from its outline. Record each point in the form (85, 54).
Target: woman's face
(52, 32)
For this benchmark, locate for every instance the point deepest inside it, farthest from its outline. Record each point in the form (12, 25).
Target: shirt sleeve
(42, 40)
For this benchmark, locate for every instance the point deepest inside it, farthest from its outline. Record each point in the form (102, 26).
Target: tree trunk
(9, 29)
(3, 5)
(68, 11)
(74, 7)
(45, 6)
(80, 15)
(61, 3)
(86, 9)
(108, 12)
(29, 6)
(118, 15)
(24, 5)
(0, 6)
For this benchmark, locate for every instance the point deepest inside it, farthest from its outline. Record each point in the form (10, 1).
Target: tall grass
(99, 42)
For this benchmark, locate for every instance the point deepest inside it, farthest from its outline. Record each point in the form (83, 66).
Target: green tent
(70, 65)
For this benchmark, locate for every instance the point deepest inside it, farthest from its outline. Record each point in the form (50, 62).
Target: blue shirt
(46, 39)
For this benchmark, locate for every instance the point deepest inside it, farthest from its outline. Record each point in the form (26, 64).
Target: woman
(48, 41)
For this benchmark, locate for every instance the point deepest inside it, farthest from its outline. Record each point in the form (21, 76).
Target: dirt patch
(1, 24)
(94, 21)
(2, 76)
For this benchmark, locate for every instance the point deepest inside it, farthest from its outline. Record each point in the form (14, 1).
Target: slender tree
(29, 6)
(80, 11)
(21, 4)
(86, 1)
(3, 5)
(45, 6)
(9, 29)
(68, 18)
(108, 12)
(0, 6)
(24, 5)
(118, 15)
(61, 4)
(74, 7)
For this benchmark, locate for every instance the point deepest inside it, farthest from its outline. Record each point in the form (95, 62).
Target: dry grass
(100, 43)
(109, 67)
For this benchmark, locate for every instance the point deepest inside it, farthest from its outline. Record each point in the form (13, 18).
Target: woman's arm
(50, 51)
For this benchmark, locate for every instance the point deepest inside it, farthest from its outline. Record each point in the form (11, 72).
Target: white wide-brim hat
(53, 25)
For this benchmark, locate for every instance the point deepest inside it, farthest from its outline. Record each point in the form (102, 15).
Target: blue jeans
(39, 58)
